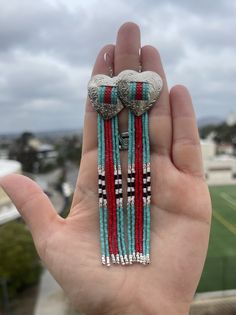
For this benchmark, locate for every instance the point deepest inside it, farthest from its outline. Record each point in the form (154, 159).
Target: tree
(20, 265)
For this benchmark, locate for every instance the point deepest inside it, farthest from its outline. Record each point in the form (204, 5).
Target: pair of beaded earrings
(124, 230)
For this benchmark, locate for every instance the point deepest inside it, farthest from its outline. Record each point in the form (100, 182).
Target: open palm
(180, 212)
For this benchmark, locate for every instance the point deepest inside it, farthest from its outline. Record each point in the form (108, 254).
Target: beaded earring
(139, 91)
(102, 91)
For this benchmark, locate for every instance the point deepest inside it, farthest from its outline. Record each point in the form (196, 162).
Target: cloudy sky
(47, 48)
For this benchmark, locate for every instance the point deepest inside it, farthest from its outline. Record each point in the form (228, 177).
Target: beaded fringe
(139, 190)
(112, 223)
(124, 243)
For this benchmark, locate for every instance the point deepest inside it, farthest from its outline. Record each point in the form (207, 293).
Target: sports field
(220, 268)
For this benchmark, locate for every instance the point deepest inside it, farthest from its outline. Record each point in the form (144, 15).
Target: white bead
(108, 261)
(138, 257)
(126, 259)
(130, 259)
(103, 260)
(113, 259)
(122, 260)
(117, 259)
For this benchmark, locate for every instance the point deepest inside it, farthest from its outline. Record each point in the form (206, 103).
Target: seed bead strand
(144, 190)
(108, 263)
(111, 187)
(109, 95)
(109, 171)
(148, 190)
(132, 174)
(129, 189)
(100, 191)
(123, 253)
(141, 94)
(119, 255)
(108, 190)
(133, 211)
(136, 179)
(145, 139)
(133, 159)
(137, 173)
(141, 190)
(147, 178)
(107, 231)
(122, 256)
(122, 223)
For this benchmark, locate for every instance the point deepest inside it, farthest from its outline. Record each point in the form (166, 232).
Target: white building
(8, 211)
(46, 153)
(208, 147)
(231, 119)
(219, 169)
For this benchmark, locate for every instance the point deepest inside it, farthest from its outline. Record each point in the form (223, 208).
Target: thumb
(32, 203)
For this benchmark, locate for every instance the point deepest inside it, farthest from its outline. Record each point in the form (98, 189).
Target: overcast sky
(47, 49)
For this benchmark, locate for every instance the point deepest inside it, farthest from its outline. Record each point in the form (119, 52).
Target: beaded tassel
(119, 196)
(139, 188)
(102, 194)
(112, 235)
(131, 191)
(138, 92)
(146, 190)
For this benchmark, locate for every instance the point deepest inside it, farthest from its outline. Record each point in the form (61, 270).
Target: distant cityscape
(52, 159)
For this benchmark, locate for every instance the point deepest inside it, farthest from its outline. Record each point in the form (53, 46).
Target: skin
(180, 209)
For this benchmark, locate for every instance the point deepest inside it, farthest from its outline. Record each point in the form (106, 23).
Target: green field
(220, 268)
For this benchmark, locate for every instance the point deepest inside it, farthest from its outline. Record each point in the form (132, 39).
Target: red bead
(107, 94)
(139, 91)
(138, 185)
(110, 188)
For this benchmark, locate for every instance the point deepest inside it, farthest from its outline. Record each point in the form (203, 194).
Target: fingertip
(151, 50)
(127, 51)
(179, 90)
(102, 66)
(151, 61)
(20, 189)
(181, 101)
(12, 181)
(129, 26)
(32, 203)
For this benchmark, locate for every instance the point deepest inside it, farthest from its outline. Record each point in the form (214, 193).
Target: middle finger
(127, 57)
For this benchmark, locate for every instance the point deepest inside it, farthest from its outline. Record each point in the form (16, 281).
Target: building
(34, 155)
(219, 168)
(8, 211)
(231, 119)
(4, 147)
(208, 147)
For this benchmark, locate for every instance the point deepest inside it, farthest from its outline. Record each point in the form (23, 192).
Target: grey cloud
(72, 36)
(47, 49)
(200, 7)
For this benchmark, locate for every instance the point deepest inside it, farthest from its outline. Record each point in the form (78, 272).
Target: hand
(181, 208)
